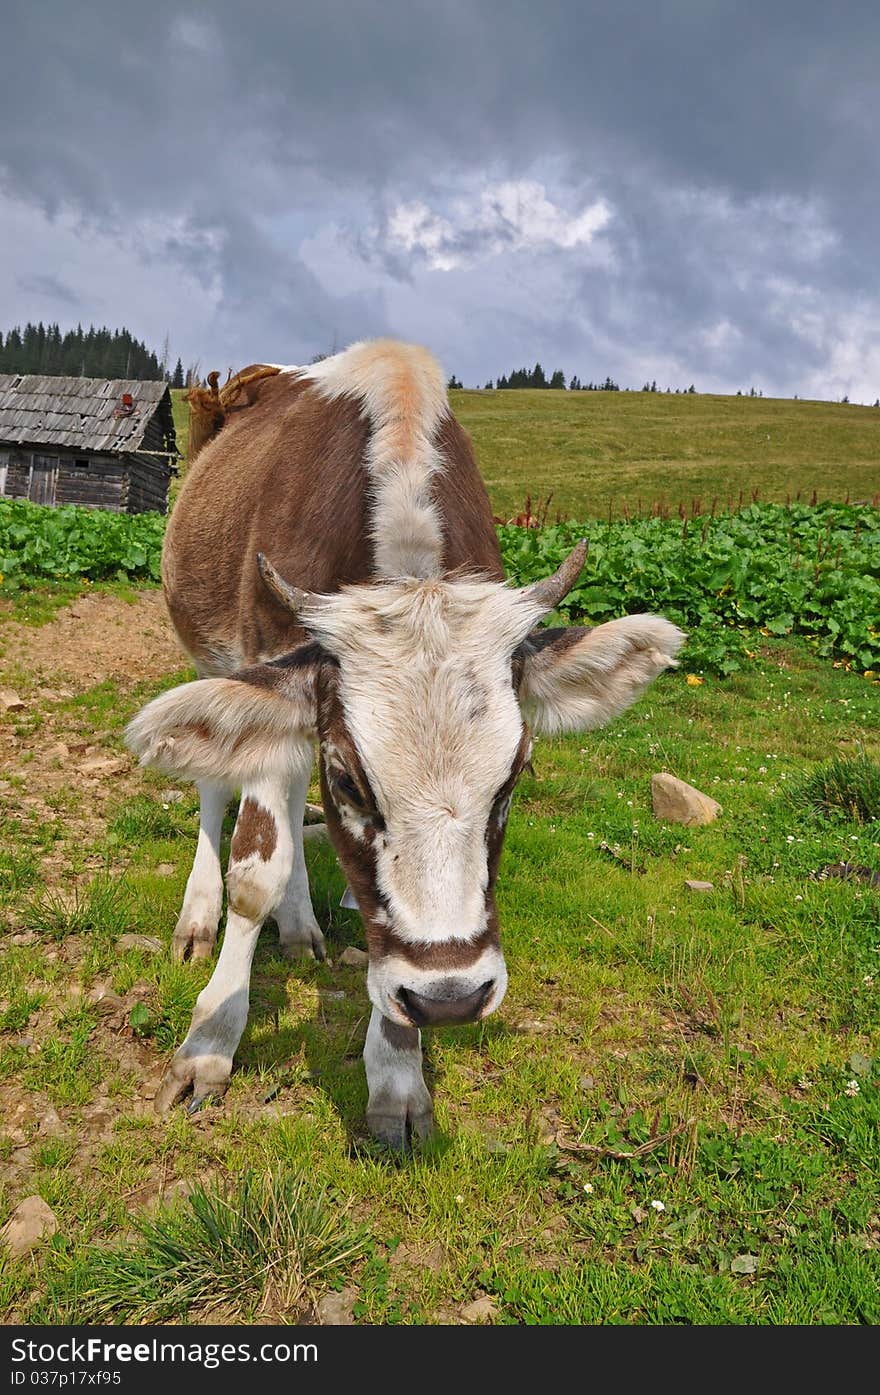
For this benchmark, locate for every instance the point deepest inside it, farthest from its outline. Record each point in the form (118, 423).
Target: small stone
(316, 832)
(104, 765)
(481, 1310)
(314, 813)
(354, 958)
(337, 1309)
(699, 886)
(26, 937)
(31, 1222)
(10, 701)
(60, 749)
(675, 801)
(105, 1004)
(171, 796)
(149, 943)
(50, 1123)
(166, 869)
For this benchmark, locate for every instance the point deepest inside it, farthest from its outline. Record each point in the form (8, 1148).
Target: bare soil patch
(96, 638)
(55, 763)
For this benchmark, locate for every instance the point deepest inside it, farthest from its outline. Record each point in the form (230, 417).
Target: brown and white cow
(397, 646)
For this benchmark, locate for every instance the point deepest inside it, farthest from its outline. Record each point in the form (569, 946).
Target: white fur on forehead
(423, 620)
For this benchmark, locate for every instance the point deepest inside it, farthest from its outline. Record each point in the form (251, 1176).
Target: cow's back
(286, 476)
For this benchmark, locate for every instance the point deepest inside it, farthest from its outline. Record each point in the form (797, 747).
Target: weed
(260, 1246)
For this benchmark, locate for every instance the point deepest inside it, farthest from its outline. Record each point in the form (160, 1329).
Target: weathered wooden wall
(125, 484)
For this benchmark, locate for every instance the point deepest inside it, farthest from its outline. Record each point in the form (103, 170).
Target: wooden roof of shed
(80, 413)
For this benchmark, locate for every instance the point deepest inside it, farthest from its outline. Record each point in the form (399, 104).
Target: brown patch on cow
(356, 856)
(284, 477)
(255, 832)
(459, 496)
(442, 954)
(400, 1038)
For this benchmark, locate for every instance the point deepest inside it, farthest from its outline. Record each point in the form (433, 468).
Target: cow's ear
(237, 729)
(573, 679)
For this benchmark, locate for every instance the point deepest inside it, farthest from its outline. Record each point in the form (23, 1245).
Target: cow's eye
(345, 786)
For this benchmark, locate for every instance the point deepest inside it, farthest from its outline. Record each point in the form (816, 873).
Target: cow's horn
(549, 592)
(291, 597)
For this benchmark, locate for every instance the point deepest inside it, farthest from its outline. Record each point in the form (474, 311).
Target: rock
(171, 796)
(104, 1002)
(314, 813)
(337, 1309)
(317, 832)
(699, 886)
(25, 937)
(677, 802)
(104, 765)
(60, 749)
(50, 1124)
(166, 869)
(149, 943)
(31, 1222)
(10, 701)
(481, 1310)
(354, 958)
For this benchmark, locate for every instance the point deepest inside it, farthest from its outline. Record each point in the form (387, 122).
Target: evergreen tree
(177, 376)
(558, 379)
(98, 354)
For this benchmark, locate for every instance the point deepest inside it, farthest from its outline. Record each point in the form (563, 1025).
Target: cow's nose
(444, 1008)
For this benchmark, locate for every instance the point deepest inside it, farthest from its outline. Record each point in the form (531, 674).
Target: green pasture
(674, 1117)
(595, 454)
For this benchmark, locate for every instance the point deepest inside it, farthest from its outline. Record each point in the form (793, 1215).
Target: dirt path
(96, 638)
(60, 762)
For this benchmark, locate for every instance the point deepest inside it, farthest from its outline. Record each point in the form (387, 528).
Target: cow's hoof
(397, 1131)
(193, 941)
(309, 944)
(202, 1078)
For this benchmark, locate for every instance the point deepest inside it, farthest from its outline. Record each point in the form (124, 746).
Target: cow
(332, 569)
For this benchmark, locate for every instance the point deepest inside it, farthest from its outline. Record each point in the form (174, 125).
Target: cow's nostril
(423, 1011)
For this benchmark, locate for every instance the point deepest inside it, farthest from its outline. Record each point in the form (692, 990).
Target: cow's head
(421, 694)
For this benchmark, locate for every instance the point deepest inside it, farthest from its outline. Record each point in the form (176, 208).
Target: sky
(685, 191)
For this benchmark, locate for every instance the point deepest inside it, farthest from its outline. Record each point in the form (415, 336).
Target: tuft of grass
(102, 908)
(848, 785)
(145, 818)
(258, 1247)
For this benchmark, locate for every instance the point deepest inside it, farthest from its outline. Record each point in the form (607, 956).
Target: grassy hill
(601, 452)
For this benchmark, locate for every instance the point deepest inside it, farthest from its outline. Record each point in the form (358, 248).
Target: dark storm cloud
(50, 288)
(735, 146)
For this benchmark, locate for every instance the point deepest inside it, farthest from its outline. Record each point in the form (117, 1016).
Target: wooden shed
(109, 444)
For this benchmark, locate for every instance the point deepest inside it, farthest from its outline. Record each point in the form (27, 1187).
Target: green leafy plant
(773, 568)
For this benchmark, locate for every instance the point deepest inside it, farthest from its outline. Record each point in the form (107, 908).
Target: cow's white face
(422, 740)
(416, 691)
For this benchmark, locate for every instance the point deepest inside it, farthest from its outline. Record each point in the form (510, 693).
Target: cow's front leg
(298, 930)
(399, 1103)
(196, 930)
(260, 860)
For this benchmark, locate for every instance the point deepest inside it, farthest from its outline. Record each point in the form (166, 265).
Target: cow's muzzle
(446, 1007)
